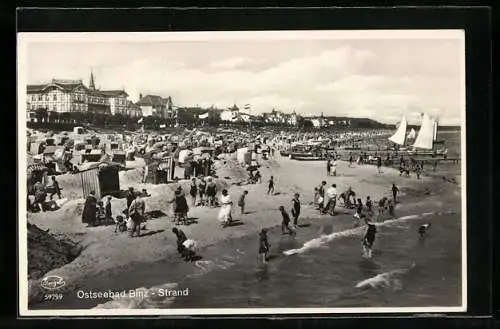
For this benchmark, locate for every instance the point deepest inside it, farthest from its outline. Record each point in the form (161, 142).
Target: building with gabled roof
(61, 96)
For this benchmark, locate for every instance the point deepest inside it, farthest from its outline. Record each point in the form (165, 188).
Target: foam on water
(318, 242)
(391, 280)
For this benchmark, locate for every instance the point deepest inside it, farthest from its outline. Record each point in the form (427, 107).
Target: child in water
(271, 186)
(369, 238)
(263, 245)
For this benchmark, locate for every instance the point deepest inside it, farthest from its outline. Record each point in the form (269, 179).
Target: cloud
(344, 80)
(232, 63)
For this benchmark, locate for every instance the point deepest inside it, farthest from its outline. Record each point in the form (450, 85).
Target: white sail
(399, 136)
(425, 138)
(412, 134)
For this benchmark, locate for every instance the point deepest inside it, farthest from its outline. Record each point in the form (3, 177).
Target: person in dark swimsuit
(369, 239)
(271, 186)
(296, 208)
(181, 237)
(193, 190)
(202, 186)
(263, 245)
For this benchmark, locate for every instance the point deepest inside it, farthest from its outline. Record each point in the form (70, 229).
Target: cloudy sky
(374, 78)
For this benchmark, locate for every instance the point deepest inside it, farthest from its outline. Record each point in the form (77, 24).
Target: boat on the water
(305, 152)
(425, 143)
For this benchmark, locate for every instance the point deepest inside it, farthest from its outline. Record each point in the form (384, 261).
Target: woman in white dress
(225, 210)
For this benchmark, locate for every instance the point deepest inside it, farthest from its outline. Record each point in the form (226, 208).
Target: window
(39, 97)
(46, 97)
(55, 97)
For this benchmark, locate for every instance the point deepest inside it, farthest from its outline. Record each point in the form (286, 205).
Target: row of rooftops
(71, 85)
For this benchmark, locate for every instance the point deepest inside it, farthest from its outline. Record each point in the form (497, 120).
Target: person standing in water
(263, 245)
(328, 166)
(333, 169)
(270, 189)
(369, 238)
(359, 213)
(285, 228)
(395, 192)
(241, 201)
(379, 165)
(296, 209)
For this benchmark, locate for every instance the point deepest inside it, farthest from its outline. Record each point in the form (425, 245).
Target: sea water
(324, 269)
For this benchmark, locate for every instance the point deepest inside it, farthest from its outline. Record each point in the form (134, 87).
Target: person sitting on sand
(330, 199)
(225, 211)
(285, 228)
(181, 237)
(241, 201)
(258, 177)
(193, 191)
(369, 238)
(264, 245)
(55, 188)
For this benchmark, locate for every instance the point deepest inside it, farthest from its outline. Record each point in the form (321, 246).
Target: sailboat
(399, 136)
(427, 137)
(412, 134)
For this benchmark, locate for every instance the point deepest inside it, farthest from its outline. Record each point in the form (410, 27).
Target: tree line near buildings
(188, 117)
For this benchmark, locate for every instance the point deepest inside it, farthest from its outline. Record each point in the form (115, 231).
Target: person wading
(285, 224)
(296, 208)
(136, 212)
(263, 245)
(369, 238)
(241, 202)
(395, 192)
(55, 188)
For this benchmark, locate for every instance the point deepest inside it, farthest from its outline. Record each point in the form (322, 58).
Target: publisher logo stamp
(52, 282)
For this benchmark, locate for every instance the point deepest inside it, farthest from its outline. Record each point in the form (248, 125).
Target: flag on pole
(140, 120)
(247, 106)
(203, 116)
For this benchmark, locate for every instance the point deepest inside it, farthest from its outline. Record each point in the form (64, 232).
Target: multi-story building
(153, 105)
(73, 96)
(133, 110)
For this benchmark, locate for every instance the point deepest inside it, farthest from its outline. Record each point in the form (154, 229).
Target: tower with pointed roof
(92, 82)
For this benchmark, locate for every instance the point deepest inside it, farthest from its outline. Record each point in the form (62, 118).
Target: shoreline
(152, 248)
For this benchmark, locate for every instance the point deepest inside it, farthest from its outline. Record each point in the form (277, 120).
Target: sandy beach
(106, 253)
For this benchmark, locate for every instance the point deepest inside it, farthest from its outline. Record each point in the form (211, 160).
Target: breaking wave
(388, 280)
(322, 240)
